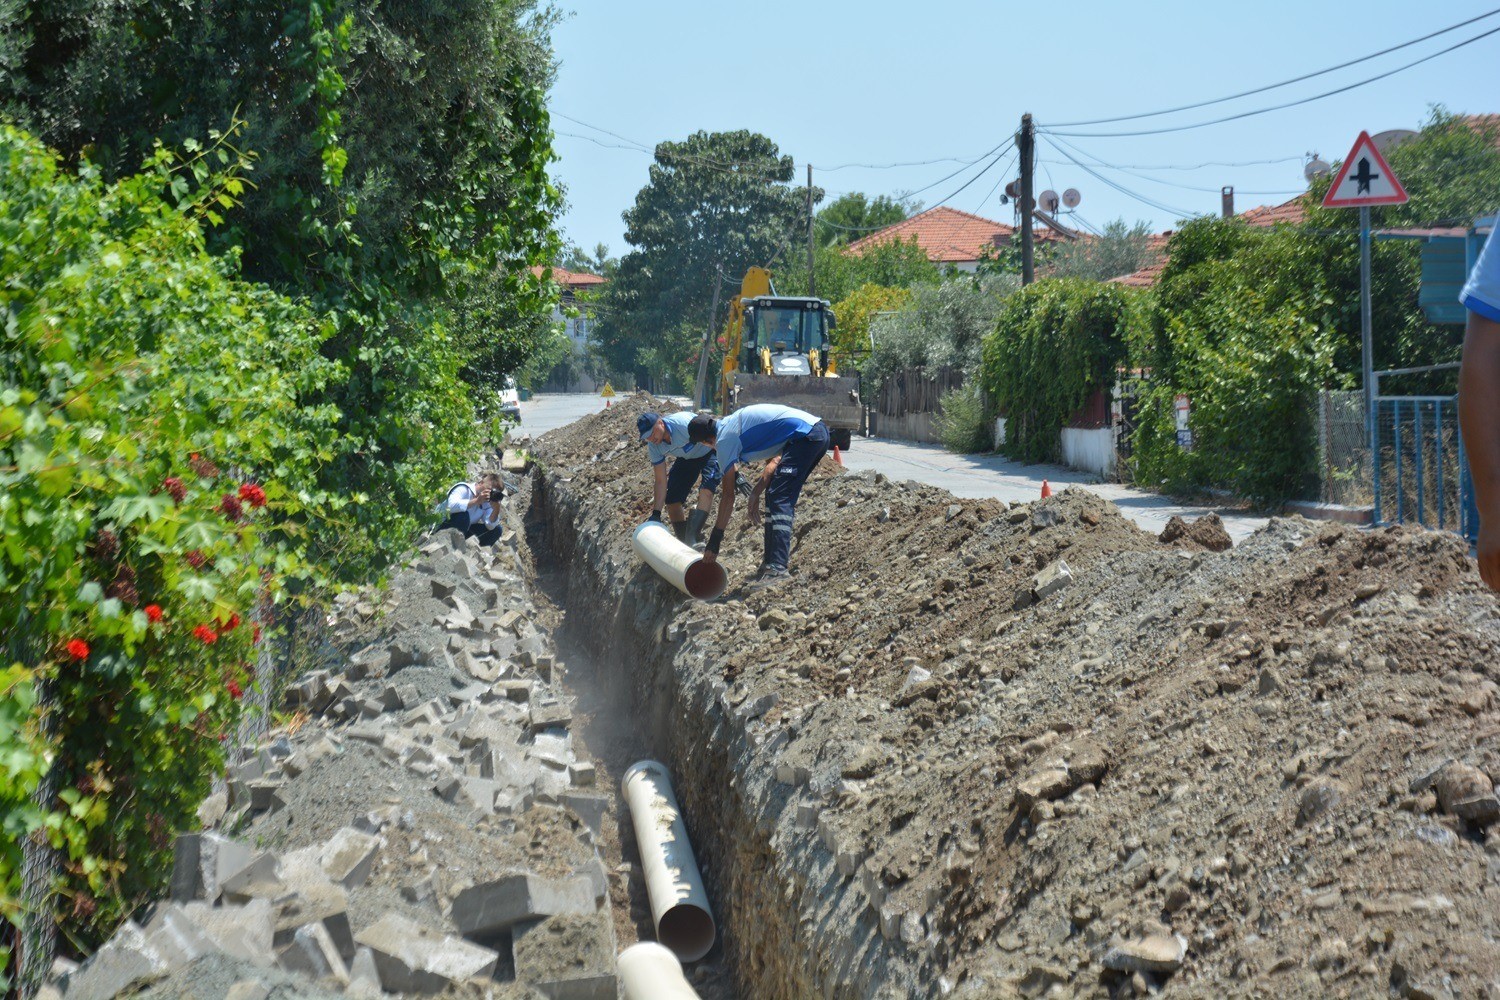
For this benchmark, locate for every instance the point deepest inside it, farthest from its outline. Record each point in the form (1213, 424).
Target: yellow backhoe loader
(779, 349)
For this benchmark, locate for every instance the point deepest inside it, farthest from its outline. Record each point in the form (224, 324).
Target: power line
(1206, 163)
(999, 146)
(1283, 83)
(1180, 213)
(966, 160)
(1277, 107)
(1157, 180)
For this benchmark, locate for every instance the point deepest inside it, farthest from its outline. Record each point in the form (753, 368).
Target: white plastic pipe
(679, 906)
(680, 565)
(650, 972)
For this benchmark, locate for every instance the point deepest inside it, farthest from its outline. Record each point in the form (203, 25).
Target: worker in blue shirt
(792, 443)
(1479, 401)
(667, 437)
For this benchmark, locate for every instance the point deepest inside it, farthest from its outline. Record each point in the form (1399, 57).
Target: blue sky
(881, 82)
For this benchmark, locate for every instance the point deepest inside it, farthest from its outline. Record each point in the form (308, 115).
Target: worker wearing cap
(667, 437)
(792, 443)
(1479, 401)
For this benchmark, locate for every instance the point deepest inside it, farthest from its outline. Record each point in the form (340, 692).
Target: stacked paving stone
(495, 754)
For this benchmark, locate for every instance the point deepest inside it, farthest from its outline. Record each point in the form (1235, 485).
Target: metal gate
(1421, 472)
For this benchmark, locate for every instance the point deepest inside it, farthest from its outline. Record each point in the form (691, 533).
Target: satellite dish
(1315, 167)
(1391, 138)
(1013, 189)
(1071, 198)
(1048, 200)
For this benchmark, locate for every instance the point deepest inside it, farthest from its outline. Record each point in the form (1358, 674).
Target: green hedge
(1056, 342)
(159, 471)
(1246, 326)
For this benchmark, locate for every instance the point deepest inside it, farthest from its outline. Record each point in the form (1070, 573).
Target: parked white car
(510, 398)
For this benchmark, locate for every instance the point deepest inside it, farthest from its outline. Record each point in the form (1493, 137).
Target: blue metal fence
(1421, 473)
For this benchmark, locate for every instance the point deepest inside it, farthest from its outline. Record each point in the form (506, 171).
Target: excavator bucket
(835, 400)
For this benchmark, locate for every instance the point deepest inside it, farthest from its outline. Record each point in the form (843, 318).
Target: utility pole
(812, 282)
(708, 339)
(1027, 145)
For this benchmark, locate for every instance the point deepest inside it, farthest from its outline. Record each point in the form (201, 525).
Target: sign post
(1365, 179)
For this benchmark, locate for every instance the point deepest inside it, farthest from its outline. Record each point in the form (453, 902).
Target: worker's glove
(655, 516)
(715, 538)
(742, 486)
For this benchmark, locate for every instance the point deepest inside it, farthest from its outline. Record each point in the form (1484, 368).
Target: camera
(496, 496)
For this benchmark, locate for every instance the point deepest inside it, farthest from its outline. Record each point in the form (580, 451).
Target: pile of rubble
(990, 751)
(420, 825)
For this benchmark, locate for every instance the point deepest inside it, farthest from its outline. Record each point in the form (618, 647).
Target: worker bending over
(667, 437)
(1479, 401)
(792, 442)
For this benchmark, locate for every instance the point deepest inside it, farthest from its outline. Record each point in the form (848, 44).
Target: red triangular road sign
(1364, 179)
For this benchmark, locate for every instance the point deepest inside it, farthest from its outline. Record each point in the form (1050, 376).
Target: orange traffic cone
(836, 456)
(1046, 489)
(607, 402)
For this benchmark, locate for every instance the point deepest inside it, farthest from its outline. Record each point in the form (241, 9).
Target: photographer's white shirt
(458, 503)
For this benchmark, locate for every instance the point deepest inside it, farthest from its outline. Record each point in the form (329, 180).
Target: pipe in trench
(680, 565)
(679, 906)
(650, 972)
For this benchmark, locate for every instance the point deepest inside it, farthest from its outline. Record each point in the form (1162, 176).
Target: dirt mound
(1206, 534)
(1050, 752)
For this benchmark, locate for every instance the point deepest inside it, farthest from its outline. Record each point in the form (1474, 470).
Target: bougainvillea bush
(157, 464)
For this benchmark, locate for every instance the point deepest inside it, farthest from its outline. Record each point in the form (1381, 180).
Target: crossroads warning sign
(1364, 179)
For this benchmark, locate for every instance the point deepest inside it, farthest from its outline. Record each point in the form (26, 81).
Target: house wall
(1089, 450)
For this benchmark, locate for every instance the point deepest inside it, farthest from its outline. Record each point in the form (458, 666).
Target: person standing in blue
(667, 437)
(1479, 401)
(792, 442)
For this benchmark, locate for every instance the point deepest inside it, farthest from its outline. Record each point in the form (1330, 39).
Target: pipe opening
(687, 930)
(706, 580)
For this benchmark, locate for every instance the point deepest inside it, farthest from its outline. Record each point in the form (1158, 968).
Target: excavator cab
(786, 336)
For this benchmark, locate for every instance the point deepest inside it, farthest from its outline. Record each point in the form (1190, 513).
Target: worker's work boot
(695, 522)
(680, 528)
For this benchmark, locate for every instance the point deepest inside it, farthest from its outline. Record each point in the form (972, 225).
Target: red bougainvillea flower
(206, 635)
(234, 689)
(174, 488)
(231, 507)
(153, 613)
(195, 558)
(255, 635)
(78, 649)
(253, 495)
(232, 623)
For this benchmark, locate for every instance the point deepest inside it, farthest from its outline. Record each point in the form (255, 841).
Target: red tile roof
(948, 235)
(1488, 123)
(570, 279)
(1144, 278)
(1291, 212)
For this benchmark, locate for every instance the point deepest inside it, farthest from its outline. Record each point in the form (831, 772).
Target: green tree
(575, 258)
(939, 325)
(1119, 249)
(1057, 341)
(410, 205)
(854, 215)
(894, 263)
(854, 313)
(714, 200)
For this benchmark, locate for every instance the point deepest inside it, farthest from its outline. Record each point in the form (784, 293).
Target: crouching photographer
(474, 508)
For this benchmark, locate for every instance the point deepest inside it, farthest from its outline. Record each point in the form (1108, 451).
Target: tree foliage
(855, 215)
(854, 313)
(714, 200)
(1119, 249)
(400, 182)
(894, 263)
(1057, 341)
(160, 450)
(939, 325)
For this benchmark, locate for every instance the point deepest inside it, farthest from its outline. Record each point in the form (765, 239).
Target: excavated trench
(626, 638)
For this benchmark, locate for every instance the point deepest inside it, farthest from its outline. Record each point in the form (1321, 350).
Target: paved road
(961, 475)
